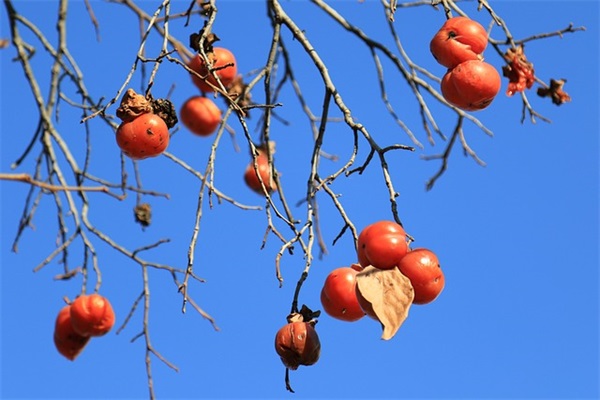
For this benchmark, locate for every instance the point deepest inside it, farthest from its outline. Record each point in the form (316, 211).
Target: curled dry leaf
(209, 39)
(390, 293)
(555, 92)
(305, 314)
(132, 106)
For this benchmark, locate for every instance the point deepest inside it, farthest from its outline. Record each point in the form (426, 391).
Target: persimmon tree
(65, 172)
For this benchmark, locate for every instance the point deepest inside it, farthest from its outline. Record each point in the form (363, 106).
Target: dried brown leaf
(132, 106)
(555, 92)
(390, 293)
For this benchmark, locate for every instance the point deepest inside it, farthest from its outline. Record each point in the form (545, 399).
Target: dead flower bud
(143, 214)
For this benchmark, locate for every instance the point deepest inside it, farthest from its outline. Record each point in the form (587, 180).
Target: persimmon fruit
(459, 39)
(263, 168)
(223, 64)
(471, 85)
(382, 244)
(422, 267)
(92, 315)
(200, 115)
(338, 295)
(144, 136)
(68, 342)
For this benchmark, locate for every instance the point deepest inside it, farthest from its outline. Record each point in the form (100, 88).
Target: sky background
(517, 239)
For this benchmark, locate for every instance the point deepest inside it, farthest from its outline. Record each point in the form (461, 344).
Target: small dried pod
(297, 343)
(143, 214)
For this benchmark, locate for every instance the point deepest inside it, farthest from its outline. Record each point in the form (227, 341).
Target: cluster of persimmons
(86, 317)
(389, 276)
(470, 83)
(402, 276)
(144, 133)
(144, 130)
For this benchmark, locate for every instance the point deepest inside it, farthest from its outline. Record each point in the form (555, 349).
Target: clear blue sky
(518, 239)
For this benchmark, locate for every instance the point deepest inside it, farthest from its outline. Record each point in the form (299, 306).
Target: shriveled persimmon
(200, 115)
(92, 315)
(297, 343)
(224, 66)
(145, 136)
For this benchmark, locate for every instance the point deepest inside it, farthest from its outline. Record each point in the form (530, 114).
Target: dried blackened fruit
(166, 110)
(297, 343)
